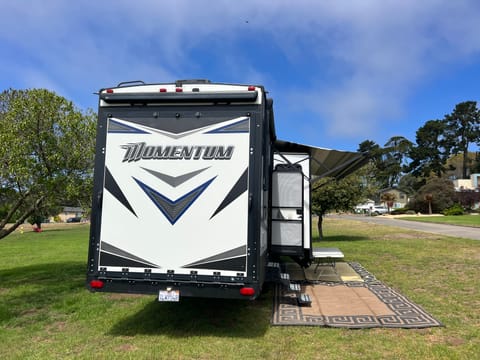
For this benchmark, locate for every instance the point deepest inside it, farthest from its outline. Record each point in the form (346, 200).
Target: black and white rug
(365, 304)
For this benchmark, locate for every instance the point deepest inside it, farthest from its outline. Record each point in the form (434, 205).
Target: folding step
(274, 265)
(295, 287)
(285, 279)
(272, 271)
(304, 299)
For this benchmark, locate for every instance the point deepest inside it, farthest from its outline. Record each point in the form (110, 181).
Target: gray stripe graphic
(119, 252)
(239, 251)
(174, 181)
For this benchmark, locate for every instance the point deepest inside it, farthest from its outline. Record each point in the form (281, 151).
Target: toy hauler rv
(193, 193)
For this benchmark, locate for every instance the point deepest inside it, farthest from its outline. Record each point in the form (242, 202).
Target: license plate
(169, 295)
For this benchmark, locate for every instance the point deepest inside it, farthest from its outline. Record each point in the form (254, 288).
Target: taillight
(109, 91)
(163, 90)
(247, 291)
(96, 284)
(178, 90)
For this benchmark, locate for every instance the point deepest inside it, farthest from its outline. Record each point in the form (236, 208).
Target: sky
(339, 71)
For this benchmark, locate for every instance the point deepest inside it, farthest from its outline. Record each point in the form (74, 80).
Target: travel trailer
(194, 195)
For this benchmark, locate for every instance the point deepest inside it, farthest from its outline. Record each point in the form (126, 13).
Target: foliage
(429, 154)
(462, 127)
(387, 163)
(476, 163)
(330, 194)
(370, 172)
(454, 165)
(467, 198)
(395, 155)
(399, 211)
(46, 155)
(437, 192)
(389, 198)
(455, 209)
(370, 185)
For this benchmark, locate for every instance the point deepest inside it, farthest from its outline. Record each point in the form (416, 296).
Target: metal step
(304, 299)
(295, 287)
(285, 279)
(273, 265)
(273, 271)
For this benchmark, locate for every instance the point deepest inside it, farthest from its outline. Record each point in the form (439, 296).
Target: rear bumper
(186, 288)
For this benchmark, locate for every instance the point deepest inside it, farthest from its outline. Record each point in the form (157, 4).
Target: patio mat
(350, 304)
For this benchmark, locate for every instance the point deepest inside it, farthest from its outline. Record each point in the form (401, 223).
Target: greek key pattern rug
(366, 304)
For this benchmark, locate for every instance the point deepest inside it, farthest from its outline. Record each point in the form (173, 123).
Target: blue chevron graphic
(173, 209)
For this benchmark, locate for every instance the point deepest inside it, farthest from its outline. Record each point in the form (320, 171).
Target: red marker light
(163, 90)
(109, 91)
(251, 88)
(247, 291)
(96, 284)
(178, 90)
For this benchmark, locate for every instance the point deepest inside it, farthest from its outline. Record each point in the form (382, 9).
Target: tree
(395, 154)
(462, 128)
(389, 199)
(467, 198)
(429, 155)
(330, 194)
(46, 155)
(476, 163)
(435, 196)
(369, 174)
(389, 161)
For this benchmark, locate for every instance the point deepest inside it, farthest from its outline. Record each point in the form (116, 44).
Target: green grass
(46, 312)
(463, 220)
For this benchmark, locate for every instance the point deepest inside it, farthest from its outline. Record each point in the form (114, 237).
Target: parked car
(74, 220)
(379, 210)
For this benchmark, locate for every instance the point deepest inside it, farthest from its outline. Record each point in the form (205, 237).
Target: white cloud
(363, 57)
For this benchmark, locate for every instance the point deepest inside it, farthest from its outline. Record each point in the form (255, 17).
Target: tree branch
(4, 232)
(13, 210)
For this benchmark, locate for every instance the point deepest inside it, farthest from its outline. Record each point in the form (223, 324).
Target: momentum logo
(142, 151)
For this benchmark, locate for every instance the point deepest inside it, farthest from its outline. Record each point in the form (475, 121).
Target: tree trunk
(4, 232)
(12, 211)
(320, 226)
(465, 164)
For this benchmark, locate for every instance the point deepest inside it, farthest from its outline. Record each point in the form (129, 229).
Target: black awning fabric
(325, 162)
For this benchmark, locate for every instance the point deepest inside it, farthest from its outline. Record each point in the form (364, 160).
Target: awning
(325, 162)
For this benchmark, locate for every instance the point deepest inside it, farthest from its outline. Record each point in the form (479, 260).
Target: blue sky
(340, 72)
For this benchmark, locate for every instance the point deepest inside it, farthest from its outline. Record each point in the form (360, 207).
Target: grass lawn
(464, 220)
(46, 312)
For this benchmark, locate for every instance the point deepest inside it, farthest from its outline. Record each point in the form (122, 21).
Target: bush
(441, 192)
(399, 211)
(456, 209)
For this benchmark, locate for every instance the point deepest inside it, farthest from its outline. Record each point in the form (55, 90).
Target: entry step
(285, 279)
(273, 265)
(295, 287)
(304, 300)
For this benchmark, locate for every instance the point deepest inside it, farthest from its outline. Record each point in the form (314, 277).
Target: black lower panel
(235, 264)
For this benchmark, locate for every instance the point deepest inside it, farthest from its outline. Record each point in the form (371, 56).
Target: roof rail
(124, 83)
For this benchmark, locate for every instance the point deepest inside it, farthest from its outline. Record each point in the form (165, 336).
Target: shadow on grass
(200, 317)
(35, 288)
(339, 238)
(30, 294)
